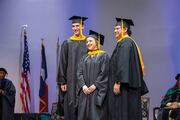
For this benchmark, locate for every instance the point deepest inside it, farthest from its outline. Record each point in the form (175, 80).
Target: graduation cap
(77, 19)
(4, 70)
(127, 22)
(177, 76)
(97, 36)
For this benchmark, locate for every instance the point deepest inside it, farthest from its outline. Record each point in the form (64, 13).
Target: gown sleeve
(167, 98)
(102, 81)
(10, 93)
(62, 79)
(80, 76)
(123, 64)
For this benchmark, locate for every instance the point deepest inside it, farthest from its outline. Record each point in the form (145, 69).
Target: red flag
(43, 91)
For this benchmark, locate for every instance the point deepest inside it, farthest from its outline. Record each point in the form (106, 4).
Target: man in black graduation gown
(170, 105)
(72, 50)
(92, 74)
(126, 68)
(7, 97)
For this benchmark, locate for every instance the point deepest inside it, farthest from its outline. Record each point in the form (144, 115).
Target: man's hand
(116, 89)
(63, 87)
(2, 92)
(85, 90)
(92, 88)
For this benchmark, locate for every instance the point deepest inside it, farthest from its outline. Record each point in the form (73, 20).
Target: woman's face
(91, 44)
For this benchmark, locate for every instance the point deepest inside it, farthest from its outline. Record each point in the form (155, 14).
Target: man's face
(117, 31)
(2, 75)
(76, 28)
(91, 44)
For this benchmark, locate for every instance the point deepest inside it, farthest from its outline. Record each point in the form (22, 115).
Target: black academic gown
(7, 100)
(93, 70)
(125, 68)
(172, 95)
(71, 52)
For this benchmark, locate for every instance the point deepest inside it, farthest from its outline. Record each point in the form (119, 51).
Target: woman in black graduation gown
(92, 77)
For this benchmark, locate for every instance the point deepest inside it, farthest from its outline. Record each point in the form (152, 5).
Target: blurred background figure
(170, 105)
(7, 97)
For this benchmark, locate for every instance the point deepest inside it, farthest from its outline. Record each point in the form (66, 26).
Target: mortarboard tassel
(122, 25)
(81, 26)
(99, 42)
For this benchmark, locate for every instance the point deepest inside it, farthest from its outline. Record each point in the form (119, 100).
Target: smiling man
(72, 50)
(127, 71)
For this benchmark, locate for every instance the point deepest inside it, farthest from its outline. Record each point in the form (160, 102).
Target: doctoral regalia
(172, 95)
(7, 101)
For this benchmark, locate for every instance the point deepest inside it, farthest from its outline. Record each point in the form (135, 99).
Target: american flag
(43, 91)
(25, 77)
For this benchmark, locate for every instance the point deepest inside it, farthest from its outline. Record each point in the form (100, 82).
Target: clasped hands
(88, 90)
(173, 105)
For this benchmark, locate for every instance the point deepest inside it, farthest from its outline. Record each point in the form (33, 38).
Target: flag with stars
(25, 78)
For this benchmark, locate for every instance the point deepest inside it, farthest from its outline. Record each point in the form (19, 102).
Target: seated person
(7, 97)
(170, 105)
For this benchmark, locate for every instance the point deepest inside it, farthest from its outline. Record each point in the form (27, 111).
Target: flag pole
(57, 66)
(23, 31)
(60, 109)
(42, 40)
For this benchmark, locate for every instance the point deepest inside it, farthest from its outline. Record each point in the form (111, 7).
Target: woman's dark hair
(177, 82)
(177, 76)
